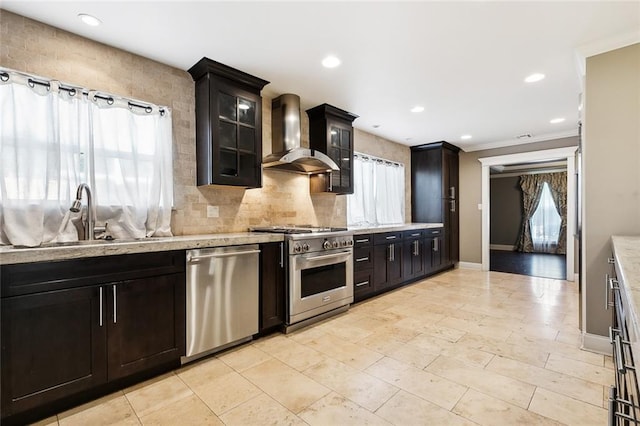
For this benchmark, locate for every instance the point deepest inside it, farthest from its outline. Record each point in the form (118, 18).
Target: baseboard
(596, 343)
(469, 265)
(502, 247)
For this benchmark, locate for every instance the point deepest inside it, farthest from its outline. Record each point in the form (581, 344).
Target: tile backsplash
(284, 198)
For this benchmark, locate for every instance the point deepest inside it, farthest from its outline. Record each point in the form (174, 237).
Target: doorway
(521, 196)
(559, 154)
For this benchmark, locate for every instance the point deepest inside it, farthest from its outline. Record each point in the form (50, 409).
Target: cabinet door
(272, 285)
(414, 259)
(387, 265)
(340, 150)
(435, 246)
(53, 345)
(236, 136)
(146, 323)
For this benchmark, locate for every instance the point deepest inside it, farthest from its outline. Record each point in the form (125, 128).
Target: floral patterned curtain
(532, 186)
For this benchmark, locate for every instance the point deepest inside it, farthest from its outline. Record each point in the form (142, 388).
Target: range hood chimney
(288, 155)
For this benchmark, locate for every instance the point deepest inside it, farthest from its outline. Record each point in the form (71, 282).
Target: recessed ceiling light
(557, 120)
(89, 19)
(534, 77)
(330, 62)
(417, 108)
(465, 137)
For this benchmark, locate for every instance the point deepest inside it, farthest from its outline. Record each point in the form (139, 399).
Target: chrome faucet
(89, 224)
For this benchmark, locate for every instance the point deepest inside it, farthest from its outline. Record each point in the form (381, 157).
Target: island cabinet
(387, 260)
(435, 194)
(70, 328)
(331, 132)
(272, 287)
(362, 266)
(228, 125)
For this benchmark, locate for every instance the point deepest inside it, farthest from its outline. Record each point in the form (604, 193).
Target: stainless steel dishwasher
(222, 298)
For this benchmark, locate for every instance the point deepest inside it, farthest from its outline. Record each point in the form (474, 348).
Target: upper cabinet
(331, 132)
(228, 125)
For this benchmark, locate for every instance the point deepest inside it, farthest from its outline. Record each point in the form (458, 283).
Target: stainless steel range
(319, 272)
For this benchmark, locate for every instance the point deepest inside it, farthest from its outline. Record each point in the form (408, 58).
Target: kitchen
(283, 197)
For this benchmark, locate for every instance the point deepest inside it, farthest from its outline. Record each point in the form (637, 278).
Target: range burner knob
(350, 243)
(336, 244)
(305, 247)
(297, 248)
(327, 244)
(344, 243)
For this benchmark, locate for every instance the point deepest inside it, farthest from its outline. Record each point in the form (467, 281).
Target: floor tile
(290, 352)
(463, 352)
(244, 357)
(579, 369)
(567, 410)
(438, 390)
(485, 410)
(555, 381)
(156, 394)
(350, 353)
(556, 347)
(185, 412)
(202, 372)
(49, 421)
(525, 353)
(488, 382)
(406, 409)
(109, 410)
(334, 409)
(261, 411)
(226, 392)
(286, 385)
(361, 388)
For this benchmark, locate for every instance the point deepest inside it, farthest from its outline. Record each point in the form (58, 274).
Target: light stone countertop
(11, 255)
(626, 251)
(393, 228)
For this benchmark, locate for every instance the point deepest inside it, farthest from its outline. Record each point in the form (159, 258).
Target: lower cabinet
(60, 342)
(272, 286)
(383, 261)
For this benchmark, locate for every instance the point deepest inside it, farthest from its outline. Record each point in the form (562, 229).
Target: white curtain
(51, 140)
(378, 193)
(545, 223)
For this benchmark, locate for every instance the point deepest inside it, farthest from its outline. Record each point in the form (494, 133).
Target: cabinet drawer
(434, 232)
(362, 284)
(387, 237)
(362, 258)
(362, 240)
(414, 234)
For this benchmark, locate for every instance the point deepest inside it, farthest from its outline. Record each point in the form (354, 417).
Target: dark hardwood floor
(532, 264)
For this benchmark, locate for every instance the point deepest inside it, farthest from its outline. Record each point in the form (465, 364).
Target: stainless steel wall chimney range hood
(288, 155)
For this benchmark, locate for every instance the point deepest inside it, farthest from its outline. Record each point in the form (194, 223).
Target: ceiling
(464, 62)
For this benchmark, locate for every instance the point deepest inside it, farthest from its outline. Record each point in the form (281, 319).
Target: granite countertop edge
(393, 228)
(10, 255)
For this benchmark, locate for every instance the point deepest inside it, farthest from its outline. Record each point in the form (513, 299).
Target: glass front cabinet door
(331, 132)
(228, 125)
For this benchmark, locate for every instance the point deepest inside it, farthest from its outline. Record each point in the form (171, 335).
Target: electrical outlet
(213, 211)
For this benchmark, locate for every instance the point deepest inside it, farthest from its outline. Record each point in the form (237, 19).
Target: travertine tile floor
(464, 347)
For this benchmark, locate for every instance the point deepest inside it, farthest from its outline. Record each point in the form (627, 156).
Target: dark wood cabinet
(272, 286)
(228, 125)
(433, 245)
(69, 327)
(331, 132)
(414, 261)
(387, 260)
(435, 193)
(362, 266)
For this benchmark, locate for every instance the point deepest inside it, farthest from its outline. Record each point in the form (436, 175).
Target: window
(54, 137)
(378, 192)
(545, 223)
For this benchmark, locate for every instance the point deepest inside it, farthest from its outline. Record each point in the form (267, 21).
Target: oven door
(319, 282)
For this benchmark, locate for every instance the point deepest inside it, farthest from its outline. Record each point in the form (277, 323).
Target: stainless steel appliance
(222, 298)
(319, 273)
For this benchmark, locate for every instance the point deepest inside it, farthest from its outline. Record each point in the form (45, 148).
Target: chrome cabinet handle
(452, 206)
(282, 255)
(436, 244)
(393, 237)
(611, 285)
(391, 252)
(115, 305)
(330, 181)
(364, 240)
(362, 283)
(612, 406)
(416, 249)
(362, 259)
(606, 291)
(452, 192)
(617, 353)
(415, 235)
(611, 260)
(101, 313)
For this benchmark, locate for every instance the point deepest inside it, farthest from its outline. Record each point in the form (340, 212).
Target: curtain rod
(377, 159)
(33, 80)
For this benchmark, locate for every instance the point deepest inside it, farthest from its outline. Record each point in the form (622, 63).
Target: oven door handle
(343, 256)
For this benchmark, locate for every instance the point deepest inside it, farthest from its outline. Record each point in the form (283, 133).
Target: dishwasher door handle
(209, 256)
